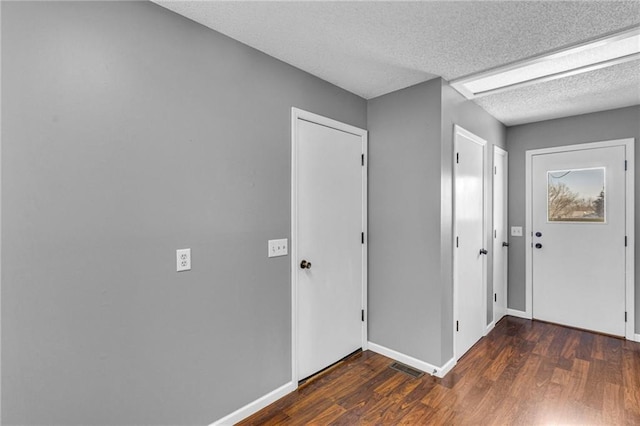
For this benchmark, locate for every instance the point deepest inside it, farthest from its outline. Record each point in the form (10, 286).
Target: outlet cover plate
(183, 260)
(278, 248)
(516, 231)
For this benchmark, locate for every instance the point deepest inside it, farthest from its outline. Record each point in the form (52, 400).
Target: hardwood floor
(524, 372)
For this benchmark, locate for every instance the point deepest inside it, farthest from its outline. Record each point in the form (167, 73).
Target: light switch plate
(278, 248)
(516, 231)
(183, 260)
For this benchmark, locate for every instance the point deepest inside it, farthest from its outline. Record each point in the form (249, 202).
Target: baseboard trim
(411, 361)
(255, 406)
(519, 314)
(489, 327)
(637, 338)
(446, 368)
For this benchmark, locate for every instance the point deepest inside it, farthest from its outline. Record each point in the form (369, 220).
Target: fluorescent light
(596, 54)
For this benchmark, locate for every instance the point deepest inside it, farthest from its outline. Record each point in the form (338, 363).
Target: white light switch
(516, 231)
(183, 259)
(278, 248)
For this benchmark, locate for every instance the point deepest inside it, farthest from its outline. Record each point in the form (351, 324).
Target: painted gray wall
(600, 126)
(129, 132)
(404, 221)
(456, 109)
(411, 216)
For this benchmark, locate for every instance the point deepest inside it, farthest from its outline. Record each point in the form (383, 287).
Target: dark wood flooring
(524, 372)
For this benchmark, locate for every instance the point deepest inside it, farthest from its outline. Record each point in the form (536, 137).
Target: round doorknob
(305, 265)
(538, 245)
(538, 234)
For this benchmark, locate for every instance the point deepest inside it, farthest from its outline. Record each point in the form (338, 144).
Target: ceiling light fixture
(596, 54)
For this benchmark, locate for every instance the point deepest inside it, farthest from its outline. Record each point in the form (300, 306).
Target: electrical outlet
(516, 231)
(278, 248)
(183, 259)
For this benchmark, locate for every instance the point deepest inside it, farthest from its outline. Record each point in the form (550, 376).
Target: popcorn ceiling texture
(617, 86)
(373, 48)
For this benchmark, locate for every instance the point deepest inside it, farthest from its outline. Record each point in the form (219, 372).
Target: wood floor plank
(631, 381)
(613, 405)
(328, 415)
(597, 351)
(585, 349)
(594, 387)
(523, 372)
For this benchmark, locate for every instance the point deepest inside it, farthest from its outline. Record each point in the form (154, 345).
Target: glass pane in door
(576, 195)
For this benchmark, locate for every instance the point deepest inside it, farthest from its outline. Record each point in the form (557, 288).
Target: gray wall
(600, 126)
(456, 109)
(129, 132)
(411, 216)
(404, 225)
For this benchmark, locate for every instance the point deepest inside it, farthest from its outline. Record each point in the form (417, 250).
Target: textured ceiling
(608, 88)
(374, 47)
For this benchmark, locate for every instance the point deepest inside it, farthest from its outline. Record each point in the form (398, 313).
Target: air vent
(407, 370)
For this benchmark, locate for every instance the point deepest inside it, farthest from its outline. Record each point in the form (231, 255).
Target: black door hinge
(362, 237)
(625, 316)
(495, 170)
(362, 315)
(495, 297)
(625, 165)
(456, 241)
(625, 240)
(457, 328)
(457, 157)
(363, 159)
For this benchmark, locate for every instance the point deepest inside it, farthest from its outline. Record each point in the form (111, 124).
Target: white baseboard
(411, 361)
(489, 327)
(446, 368)
(255, 406)
(637, 338)
(519, 314)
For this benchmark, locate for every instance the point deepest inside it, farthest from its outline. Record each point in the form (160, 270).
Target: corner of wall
(446, 223)
(1, 6)
(456, 109)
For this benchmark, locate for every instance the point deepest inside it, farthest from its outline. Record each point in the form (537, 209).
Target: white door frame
(463, 132)
(298, 114)
(628, 144)
(498, 245)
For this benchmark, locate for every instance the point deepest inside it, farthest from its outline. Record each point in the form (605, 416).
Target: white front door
(329, 247)
(578, 238)
(500, 234)
(469, 245)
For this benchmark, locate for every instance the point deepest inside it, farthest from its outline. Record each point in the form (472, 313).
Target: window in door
(576, 195)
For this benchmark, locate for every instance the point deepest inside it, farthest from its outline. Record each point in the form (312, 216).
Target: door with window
(578, 238)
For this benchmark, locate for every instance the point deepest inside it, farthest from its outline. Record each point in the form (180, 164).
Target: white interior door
(469, 247)
(329, 260)
(578, 238)
(500, 234)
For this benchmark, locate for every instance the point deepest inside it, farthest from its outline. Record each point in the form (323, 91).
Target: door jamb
(628, 144)
(299, 114)
(505, 154)
(483, 320)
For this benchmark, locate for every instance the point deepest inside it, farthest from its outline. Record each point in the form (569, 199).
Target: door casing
(299, 114)
(629, 224)
(497, 244)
